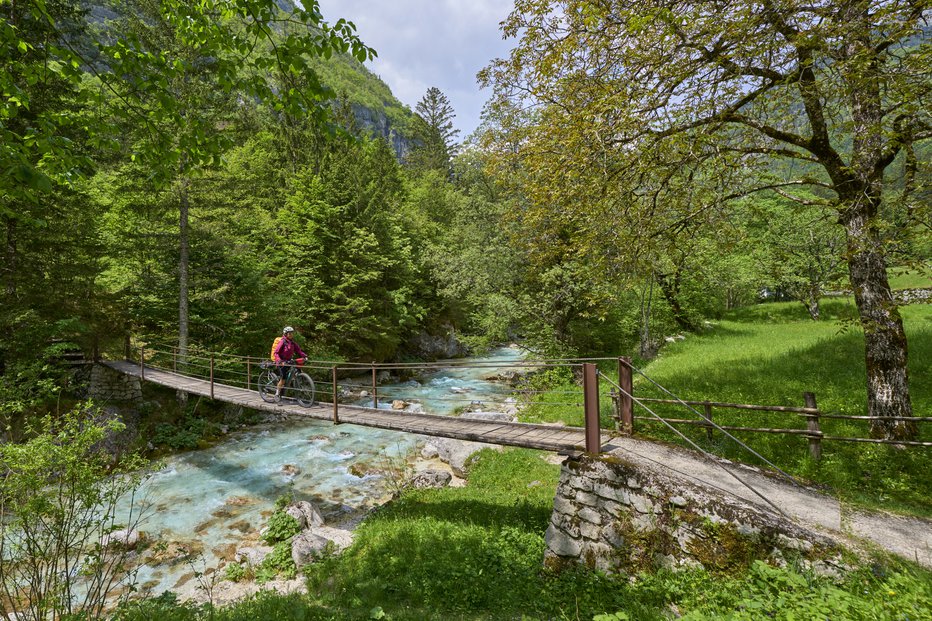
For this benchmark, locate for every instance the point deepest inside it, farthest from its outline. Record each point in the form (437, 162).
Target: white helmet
(287, 330)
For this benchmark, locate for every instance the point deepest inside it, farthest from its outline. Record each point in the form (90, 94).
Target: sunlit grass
(910, 278)
(770, 354)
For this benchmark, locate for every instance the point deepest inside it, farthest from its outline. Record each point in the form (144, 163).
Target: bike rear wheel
(302, 389)
(267, 384)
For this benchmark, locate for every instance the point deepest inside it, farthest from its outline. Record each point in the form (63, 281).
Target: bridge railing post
(211, 375)
(142, 362)
(248, 373)
(591, 407)
(375, 388)
(625, 402)
(336, 400)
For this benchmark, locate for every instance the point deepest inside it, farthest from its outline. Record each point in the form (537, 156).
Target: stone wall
(108, 385)
(611, 515)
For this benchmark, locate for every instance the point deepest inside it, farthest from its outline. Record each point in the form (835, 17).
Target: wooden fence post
(812, 425)
(248, 373)
(142, 362)
(591, 408)
(375, 390)
(175, 358)
(126, 348)
(625, 402)
(336, 413)
(707, 414)
(211, 375)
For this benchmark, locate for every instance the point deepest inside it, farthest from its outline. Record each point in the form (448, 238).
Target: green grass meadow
(770, 354)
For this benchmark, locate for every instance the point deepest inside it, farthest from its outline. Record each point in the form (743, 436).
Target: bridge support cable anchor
(713, 458)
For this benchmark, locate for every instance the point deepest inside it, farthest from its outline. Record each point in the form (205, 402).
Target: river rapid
(204, 506)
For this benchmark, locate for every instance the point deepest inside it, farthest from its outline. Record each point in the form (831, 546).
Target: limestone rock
(430, 479)
(559, 543)
(126, 539)
(252, 555)
(307, 515)
(457, 452)
(307, 547)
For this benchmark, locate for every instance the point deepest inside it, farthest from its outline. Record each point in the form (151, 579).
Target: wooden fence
(624, 401)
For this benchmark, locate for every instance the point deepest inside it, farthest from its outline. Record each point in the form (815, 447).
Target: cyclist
(284, 355)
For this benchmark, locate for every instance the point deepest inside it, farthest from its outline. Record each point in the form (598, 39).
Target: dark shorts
(285, 371)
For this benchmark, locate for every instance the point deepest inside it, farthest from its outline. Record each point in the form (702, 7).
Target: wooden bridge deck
(545, 437)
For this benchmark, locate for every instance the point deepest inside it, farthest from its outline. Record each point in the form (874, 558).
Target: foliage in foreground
(61, 495)
(476, 553)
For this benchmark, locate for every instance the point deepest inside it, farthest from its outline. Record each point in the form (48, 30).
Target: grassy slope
(346, 76)
(771, 354)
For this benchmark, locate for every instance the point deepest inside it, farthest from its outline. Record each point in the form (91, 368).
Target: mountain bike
(298, 385)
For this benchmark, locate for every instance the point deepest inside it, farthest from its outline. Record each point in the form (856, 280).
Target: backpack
(278, 339)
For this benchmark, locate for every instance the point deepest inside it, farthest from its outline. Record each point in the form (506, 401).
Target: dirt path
(910, 538)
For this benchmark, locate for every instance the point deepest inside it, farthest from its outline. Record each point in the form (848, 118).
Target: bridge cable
(714, 458)
(787, 476)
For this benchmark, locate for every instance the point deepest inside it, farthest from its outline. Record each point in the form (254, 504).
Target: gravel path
(910, 538)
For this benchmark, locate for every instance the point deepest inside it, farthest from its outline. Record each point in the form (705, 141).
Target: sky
(425, 43)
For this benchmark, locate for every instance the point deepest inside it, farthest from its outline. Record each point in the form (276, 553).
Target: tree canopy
(632, 96)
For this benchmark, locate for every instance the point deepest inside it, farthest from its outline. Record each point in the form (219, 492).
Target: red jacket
(288, 350)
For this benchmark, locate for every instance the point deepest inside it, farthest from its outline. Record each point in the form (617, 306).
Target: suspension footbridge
(527, 435)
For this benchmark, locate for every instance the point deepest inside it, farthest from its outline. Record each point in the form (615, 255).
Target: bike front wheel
(267, 384)
(302, 389)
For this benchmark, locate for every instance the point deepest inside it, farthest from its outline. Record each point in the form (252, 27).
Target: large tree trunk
(885, 351)
(670, 288)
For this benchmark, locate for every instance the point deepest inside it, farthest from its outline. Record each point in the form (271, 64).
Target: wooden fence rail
(624, 416)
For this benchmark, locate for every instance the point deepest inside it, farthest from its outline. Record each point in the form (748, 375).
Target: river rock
(290, 470)
(455, 452)
(308, 546)
(499, 417)
(399, 404)
(430, 479)
(383, 377)
(174, 552)
(252, 555)
(126, 539)
(306, 513)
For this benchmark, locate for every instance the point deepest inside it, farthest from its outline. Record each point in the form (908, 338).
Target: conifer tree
(434, 133)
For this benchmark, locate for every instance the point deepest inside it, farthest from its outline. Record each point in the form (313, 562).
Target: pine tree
(434, 133)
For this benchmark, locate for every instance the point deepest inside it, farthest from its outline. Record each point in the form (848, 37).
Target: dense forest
(210, 180)
(645, 172)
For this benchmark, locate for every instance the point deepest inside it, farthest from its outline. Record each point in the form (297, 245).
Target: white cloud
(424, 43)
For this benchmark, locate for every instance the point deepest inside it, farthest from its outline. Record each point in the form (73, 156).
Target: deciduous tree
(835, 89)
